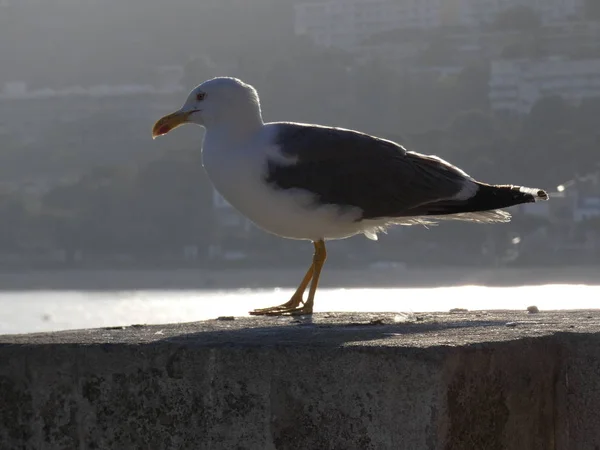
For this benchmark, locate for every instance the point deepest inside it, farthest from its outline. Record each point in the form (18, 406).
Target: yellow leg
(318, 261)
(292, 307)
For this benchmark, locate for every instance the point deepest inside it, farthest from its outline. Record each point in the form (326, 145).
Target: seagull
(318, 183)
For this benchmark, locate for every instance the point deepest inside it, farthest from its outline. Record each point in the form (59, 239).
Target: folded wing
(349, 168)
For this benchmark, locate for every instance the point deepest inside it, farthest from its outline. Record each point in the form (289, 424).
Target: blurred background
(509, 90)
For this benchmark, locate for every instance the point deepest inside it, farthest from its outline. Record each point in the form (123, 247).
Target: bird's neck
(241, 118)
(234, 129)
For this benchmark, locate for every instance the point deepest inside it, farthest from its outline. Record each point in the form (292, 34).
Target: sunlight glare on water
(25, 312)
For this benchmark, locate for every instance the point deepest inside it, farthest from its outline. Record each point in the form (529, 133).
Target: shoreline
(225, 279)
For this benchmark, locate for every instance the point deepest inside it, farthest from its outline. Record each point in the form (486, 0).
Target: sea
(52, 301)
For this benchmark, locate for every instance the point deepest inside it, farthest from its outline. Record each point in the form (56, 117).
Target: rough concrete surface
(462, 380)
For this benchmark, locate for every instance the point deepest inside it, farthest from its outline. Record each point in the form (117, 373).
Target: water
(25, 311)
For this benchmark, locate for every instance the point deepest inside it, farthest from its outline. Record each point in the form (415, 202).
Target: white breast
(238, 173)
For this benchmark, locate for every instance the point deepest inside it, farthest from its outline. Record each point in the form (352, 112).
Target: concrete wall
(439, 381)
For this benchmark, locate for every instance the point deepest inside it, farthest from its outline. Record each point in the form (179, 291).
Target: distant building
(571, 37)
(516, 85)
(582, 194)
(477, 12)
(567, 38)
(347, 23)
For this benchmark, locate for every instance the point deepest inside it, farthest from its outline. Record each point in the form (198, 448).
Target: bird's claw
(301, 311)
(290, 308)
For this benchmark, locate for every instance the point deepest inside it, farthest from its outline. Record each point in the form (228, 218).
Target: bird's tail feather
(490, 197)
(485, 205)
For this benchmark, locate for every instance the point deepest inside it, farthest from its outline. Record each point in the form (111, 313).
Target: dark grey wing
(345, 167)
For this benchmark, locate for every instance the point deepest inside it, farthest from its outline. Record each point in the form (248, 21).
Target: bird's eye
(200, 96)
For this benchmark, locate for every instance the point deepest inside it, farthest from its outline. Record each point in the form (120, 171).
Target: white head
(222, 101)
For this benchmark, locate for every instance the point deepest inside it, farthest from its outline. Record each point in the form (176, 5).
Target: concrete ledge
(467, 380)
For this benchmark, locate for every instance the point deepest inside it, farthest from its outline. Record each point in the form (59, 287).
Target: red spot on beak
(164, 129)
(169, 123)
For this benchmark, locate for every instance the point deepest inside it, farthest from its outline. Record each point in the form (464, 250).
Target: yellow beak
(170, 122)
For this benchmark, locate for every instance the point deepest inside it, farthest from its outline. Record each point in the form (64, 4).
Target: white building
(347, 23)
(516, 85)
(476, 12)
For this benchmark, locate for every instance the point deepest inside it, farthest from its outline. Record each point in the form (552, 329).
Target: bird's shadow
(308, 332)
